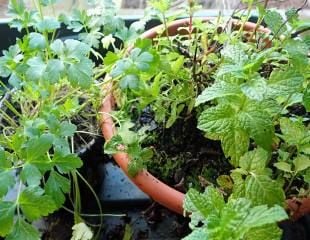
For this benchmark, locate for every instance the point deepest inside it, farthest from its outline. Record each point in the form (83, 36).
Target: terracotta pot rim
(156, 189)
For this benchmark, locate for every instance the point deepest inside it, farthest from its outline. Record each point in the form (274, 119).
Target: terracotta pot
(157, 190)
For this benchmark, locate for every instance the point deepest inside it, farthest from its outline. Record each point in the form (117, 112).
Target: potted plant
(49, 112)
(216, 105)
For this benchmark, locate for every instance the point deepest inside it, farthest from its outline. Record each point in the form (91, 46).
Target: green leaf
(7, 211)
(34, 204)
(218, 90)
(301, 162)
(23, 231)
(4, 162)
(36, 41)
(270, 232)
(197, 234)
(262, 215)
(274, 21)
(37, 147)
(284, 83)
(306, 99)
(210, 202)
(284, 166)
(261, 189)
(66, 162)
(234, 53)
(254, 161)
(235, 143)
(48, 24)
(297, 51)
(7, 181)
(135, 166)
(130, 81)
(56, 186)
(255, 88)
(75, 49)
(58, 47)
(36, 68)
(218, 120)
(80, 74)
(31, 175)
(114, 145)
(258, 123)
(295, 133)
(67, 129)
(54, 70)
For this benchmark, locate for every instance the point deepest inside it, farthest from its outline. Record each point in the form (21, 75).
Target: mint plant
(247, 89)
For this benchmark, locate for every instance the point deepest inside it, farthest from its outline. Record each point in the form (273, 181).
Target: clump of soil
(184, 158)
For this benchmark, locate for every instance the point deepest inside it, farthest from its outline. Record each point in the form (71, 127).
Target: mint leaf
(218, 120)
(254, 161)
(301, 162)
(261, 189)
(295, 133)
(217, 90)
(284, 83)
(56, 186)
(36, 41)
(23, 231)
(270, 232)
(66, 162)
(258, 123)
(283, 166)
(255, 88)
(306, 99)
(80, 74)
(211, 202)
(54, 70)
(34, 204)
(7, 211)
(235, 143)
(31, 175)
(234, 53)
(7, 181)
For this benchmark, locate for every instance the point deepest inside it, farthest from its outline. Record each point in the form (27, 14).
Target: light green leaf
(301, 162)
(48, 24)
(23, 231)
(130, 81)
(261, 190)
(80, 74)
(81, 232)
(7, 210)
(54, 70)
(75, 49)
(67, 129)
(36, 68)
(235, 143)
(217, 90)
(66, 163)
(284, 83)
(234, 53)
(284, 166)
(255, 88)
(218, 120)
(34, 204)
(4, 162)
(270, 232)
(274, 21)
(254, 161)
(31, 175)
(58, 47)
(36, 41)
(258, 123)
(262, 215)
(306, 99)
(7, 181)
(56, 186)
